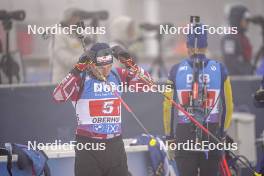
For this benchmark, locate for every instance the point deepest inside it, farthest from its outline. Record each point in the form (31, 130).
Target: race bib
(104, 107)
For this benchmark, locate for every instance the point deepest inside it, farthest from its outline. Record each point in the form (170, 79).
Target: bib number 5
(108, 107)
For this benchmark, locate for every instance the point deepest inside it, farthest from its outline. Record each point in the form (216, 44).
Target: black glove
(116, 50)
(85, 60)
(123, 56)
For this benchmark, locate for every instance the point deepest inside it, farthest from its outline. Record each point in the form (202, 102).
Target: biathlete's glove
(123, 57)
(85, 60)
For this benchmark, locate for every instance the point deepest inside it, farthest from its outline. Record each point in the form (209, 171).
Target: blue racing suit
(214, 111)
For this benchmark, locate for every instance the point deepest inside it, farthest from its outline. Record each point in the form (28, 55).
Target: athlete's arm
(167, 105)
(228, 100)
(128, 76)
(70, 85)
(167, 108)
(68, 88)
(132, 69)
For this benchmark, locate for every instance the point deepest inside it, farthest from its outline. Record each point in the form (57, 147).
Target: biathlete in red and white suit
(98, 109)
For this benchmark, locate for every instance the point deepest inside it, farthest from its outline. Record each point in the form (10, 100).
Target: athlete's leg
(86, 163)
(187, 164)
(116, 158)
(209, 166)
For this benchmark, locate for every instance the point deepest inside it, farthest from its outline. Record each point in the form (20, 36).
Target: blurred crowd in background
(134, 25)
